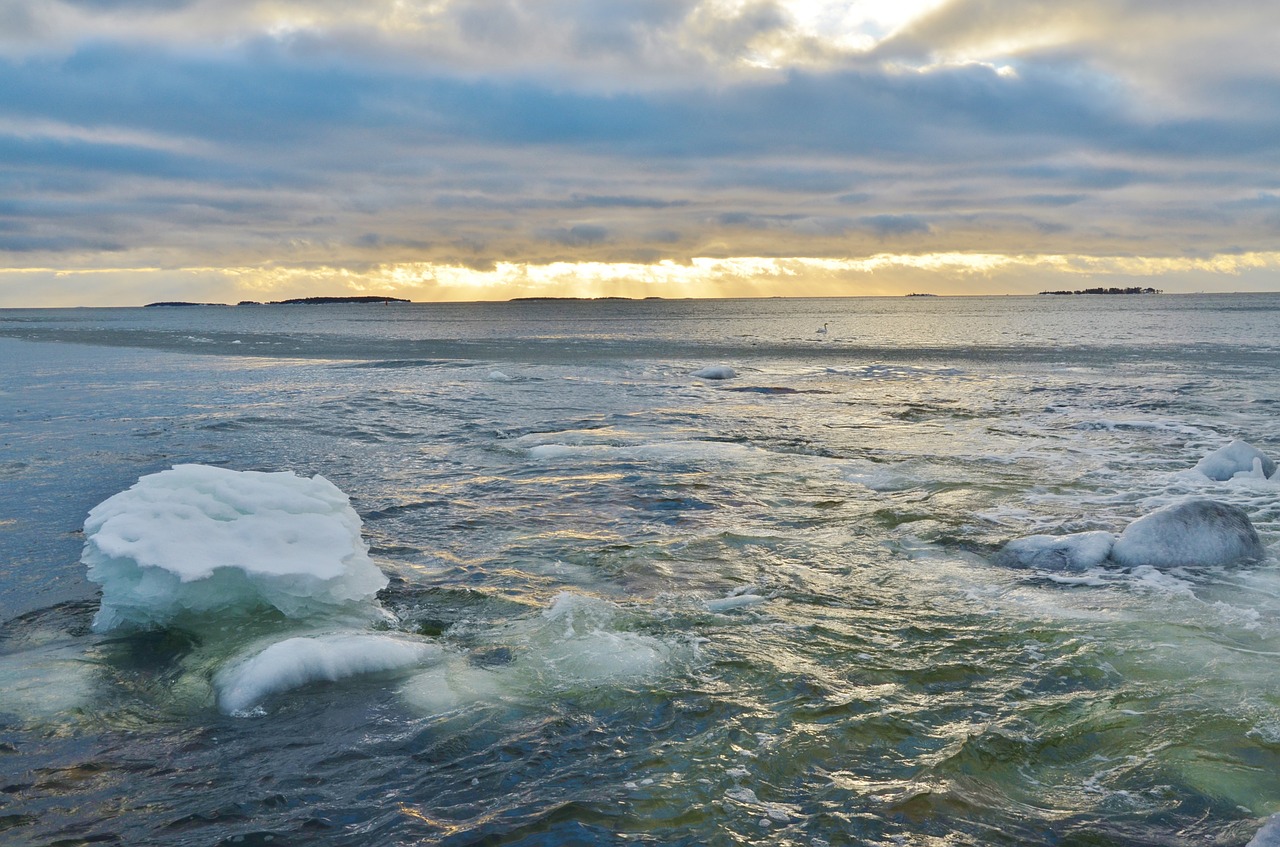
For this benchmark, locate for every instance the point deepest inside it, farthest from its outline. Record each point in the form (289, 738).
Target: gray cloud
(575, 236)
(888, 226)
(498, 130)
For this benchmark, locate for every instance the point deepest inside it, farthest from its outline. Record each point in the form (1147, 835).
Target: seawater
(809, 546)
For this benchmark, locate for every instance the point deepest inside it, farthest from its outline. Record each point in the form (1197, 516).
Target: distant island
(324, 300)
(1107, 291)
(921, 295)
(292, 302)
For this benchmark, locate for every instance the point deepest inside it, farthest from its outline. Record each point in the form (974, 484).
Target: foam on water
(203, 540)
(47, 681)
(294, 662)
(1076, 552)
(716, 451)
(577, 642)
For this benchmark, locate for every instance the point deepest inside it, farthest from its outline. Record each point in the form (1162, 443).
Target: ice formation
(1236, 457)
(1268, 835)
(733, 601)
(716, 372)
(580, 642)
(298, 661)
(577, 642)
(1077, 552)
(1194, 533)
(200, 539)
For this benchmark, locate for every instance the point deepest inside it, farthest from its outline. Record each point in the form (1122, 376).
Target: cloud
(578, 235)
(889, 226)
(588, 201)
(147, 133)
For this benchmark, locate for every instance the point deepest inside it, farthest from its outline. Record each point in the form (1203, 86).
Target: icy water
(677, 611)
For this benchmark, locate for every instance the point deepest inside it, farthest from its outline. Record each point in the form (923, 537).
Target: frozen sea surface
(627, 603)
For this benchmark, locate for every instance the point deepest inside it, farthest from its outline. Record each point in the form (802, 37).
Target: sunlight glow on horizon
(884, 274)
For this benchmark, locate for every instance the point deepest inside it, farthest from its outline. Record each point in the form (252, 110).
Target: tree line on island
(1134, 290)
(292, 302)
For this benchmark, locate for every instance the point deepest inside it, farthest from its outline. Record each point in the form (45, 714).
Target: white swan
(822, 331)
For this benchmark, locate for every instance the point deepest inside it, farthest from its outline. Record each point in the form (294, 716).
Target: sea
(702, 574)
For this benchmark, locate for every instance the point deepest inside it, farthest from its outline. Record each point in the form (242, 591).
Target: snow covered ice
(716, 372)
(297, 661)
(1194, 533)
(1236, 457)
(1268, 835)
(1076, 552)
(200, 539)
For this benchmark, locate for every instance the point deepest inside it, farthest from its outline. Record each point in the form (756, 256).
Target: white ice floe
(294, 662)
(1238, 457)
(204, 540)
(716, 372)
(1076, 552)
(1193, 533)
(743, 598)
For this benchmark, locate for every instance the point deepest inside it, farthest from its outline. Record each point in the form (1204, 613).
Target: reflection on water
(761, 609)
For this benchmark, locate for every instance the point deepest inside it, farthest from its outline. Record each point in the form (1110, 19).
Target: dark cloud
(1261, 200)
(589, 201)
(36, 243)
(1077, 176)
(889, 226)
(770, 176)
(575, 236)
(243, 99)
(1052, 199)
(378, 240)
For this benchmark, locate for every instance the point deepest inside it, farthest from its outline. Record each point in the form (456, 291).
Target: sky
(441, 150)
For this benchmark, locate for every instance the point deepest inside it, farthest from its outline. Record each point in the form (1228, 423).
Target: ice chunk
(579, 642)
(1268, 835)
(1077, 552)
(297, 661)
(451, 685)
(1236, 457)
(716, 372)
(735, 600)
(1194, 533)
(202, 539)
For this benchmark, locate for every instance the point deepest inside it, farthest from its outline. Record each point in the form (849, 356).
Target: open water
(757, 610)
